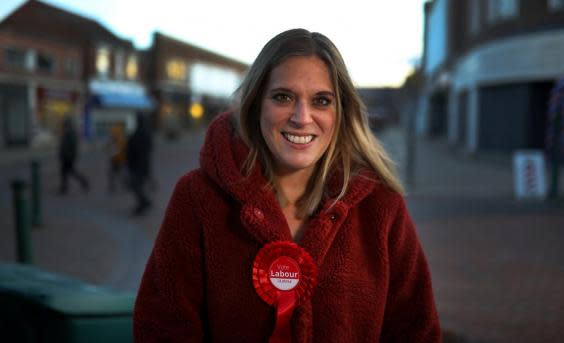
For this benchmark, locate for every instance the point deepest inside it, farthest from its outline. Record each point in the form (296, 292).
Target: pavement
(496, 262)
(91, 235)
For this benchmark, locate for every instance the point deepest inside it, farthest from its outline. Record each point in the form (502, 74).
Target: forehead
(301, 71)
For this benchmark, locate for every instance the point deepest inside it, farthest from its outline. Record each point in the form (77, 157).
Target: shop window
(499, 10)
(213, 80)
(45, 63)
(103, 61)
(132, 67)
(556, 5)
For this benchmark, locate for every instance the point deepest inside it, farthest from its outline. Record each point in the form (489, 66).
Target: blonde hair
(353, 147)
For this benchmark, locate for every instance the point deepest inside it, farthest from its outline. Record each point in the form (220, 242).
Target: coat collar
(221, 159)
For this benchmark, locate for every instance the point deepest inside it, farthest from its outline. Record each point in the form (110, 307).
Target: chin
(298, 166)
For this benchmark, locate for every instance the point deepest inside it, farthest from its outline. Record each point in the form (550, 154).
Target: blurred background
(466, 95)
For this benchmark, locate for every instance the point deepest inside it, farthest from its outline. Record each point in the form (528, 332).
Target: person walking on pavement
(555, 135)
(68, 153)
(138, 156)
(116, 151)
(294, 227)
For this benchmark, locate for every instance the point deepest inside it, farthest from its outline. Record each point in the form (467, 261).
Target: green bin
(40, 306)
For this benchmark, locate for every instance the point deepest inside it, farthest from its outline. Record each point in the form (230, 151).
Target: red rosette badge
(284, 276)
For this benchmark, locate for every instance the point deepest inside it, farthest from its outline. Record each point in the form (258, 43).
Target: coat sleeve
(410, 314)
(170, 302)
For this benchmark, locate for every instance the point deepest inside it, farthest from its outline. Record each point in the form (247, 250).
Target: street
(496, 262)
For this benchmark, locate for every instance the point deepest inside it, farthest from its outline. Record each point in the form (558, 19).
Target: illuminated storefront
(114, 103)
(190, 84)
(115, 94)
(53, 105)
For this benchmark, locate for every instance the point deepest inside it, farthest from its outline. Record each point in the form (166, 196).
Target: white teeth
(298, 139)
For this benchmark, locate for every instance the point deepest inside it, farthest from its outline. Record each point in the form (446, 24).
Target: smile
(298, 139)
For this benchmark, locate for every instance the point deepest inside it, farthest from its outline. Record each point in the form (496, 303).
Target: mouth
(298, 139)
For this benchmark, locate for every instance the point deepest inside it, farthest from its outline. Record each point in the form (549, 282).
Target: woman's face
(298, 114)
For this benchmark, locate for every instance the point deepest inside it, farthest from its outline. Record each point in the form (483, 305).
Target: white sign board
(529, 174)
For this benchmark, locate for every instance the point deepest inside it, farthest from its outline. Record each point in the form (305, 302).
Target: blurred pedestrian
(138, 156)
(294, 228)
(116, 150)
(555, 135)
(68, 154)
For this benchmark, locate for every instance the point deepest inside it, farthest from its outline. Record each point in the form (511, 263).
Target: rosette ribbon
(284, 276)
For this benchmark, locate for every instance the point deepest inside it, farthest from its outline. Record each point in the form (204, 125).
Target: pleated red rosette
(284, 276)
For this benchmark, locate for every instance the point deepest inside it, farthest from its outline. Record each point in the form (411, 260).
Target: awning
(122, 100)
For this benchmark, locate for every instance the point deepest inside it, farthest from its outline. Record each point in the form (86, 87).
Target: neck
(290, 187)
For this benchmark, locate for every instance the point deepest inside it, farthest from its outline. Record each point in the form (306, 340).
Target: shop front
(172, 112)
(114, 104)
(53, 106)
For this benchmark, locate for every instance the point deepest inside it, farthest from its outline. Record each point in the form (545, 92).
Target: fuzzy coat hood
(222, 157)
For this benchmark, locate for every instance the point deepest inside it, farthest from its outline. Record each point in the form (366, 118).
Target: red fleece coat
(373, 284)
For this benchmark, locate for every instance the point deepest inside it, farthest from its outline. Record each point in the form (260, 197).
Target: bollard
(36, 218)
(21, 220)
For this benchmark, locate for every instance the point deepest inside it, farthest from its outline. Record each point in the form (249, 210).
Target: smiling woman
(304, 235)
(298, 115)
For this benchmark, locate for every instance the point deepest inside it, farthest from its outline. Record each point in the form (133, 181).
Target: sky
(380, 40)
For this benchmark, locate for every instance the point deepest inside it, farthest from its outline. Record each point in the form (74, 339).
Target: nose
(302, 114)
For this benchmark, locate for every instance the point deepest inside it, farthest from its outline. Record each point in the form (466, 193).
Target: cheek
(329, 124)
(266, 124)
(267, 119)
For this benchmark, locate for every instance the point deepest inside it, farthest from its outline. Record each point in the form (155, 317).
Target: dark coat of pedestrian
(138, 155)
(68, 154)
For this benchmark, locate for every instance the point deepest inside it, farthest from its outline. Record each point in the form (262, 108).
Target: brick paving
(496, 263)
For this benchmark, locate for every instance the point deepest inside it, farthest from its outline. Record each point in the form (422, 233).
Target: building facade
(40, 84)
(190, 84)
(489, 66)
(55, 64)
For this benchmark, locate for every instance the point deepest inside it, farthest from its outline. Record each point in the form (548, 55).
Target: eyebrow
(288, 90)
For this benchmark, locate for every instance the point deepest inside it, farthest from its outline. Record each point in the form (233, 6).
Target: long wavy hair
(353, 147)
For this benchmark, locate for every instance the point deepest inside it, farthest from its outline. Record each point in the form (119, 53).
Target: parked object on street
(22, 222)
(529, 174)
(68, 154)
(36, 216)
(40, 306)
